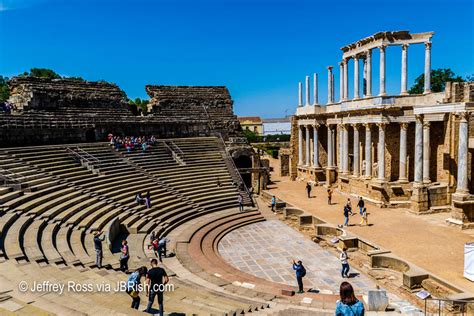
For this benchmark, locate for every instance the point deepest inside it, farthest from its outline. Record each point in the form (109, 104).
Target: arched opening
(90, 135)
(243, 161)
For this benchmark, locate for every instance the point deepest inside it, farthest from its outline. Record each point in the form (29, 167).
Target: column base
(404, 93)
(382, 94)
(330, 175)
(402, 180)
(426, 91)
(426, 181)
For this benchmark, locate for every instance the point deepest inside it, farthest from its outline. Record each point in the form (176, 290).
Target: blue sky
(259, 49)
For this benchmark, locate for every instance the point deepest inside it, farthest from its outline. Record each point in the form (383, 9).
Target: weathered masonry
(411, 151)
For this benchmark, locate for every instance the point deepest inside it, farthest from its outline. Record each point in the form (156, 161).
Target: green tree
(140, 104)
(43, 73)
(439, 77)
(4, 91)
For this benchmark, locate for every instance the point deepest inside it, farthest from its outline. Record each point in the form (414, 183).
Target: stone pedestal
(330, 175)
(419, 198)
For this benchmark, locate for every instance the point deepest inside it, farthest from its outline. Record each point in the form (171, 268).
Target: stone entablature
(385, 39)
(32, 93)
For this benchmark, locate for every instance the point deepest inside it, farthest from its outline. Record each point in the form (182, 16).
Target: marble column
(427, 67)
(330, 147)
(341, 141)
(402, 175)
(419, 149)
(315, 89)
(341, 81)
(300, 145)
(403, 89)
(307, 147)
(381, 153)
(345, 150)
(300, 94)
(346, 80)
(368, 151)
(307, 91)
(426, 152)
(356, 150)
(463, 149)
(330, 97)
(382, 71)
(356, 78)
(368, 92)
(315, 146)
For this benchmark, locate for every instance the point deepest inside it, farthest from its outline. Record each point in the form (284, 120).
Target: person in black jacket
(361, 205)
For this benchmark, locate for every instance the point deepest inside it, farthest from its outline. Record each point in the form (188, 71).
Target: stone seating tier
(50, 227)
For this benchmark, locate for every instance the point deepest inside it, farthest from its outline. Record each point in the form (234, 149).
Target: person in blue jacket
(348, 305)
(300, 274)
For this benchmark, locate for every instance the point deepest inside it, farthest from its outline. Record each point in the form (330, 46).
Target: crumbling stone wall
(212, 104)
(31, 93)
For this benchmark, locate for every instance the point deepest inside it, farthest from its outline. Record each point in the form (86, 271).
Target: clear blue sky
(259, 49)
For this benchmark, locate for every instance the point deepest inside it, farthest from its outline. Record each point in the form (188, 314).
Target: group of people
(146, 200)
(99, 255)
(348, 305)
(156, 278)
(131, 142)
(362, 211)
(7, 107)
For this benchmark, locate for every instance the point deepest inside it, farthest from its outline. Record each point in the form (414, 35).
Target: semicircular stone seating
(58, 199)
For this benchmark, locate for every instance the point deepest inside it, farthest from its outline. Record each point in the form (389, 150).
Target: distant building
(252, 123)
(277, 126)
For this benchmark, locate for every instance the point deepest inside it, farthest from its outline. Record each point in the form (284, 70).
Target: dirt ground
(425, 240)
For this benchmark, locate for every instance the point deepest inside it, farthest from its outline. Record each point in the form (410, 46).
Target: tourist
(133, 285)
(273, 203)
(154, 245)
(308, 189)
(365, 218)
(347, 210)
(300, 274)
(152, 237)
(148, 199)
(218, 182)
(156, 278)
(162, 247)
(329, 197)
(124, 256)
(98, 249)
(361, 205)
(349, 204)
(345, 265)
(143, 147)
(241, 203)
(348, 305)
(139, 199)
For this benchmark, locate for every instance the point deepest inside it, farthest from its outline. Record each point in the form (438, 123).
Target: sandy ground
(423, 240)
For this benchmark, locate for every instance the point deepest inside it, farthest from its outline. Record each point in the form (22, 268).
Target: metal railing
(233, 168)
(87, 159)
(174, 154)
(10, 178)
(440, 306)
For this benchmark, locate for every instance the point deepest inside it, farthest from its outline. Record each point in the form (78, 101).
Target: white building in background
(277, 126)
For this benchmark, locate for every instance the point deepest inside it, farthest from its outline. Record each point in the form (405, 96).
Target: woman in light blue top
(348, 305)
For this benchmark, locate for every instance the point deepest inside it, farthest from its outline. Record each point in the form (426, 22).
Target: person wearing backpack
(133, 284)
(300, 274)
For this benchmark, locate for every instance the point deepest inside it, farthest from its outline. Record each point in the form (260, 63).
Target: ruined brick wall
(459, 92)
(31, 93)
(189, 103)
